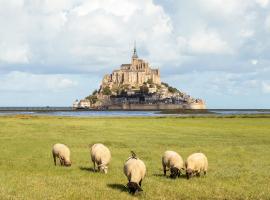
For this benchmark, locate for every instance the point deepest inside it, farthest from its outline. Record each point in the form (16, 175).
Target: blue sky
(53, 52)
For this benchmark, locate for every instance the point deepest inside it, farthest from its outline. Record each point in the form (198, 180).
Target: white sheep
(101, 156)
(135, 171)
(195, 164)
(61, 152)
(174, 162)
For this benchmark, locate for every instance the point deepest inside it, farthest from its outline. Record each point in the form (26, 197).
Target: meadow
(238, 151)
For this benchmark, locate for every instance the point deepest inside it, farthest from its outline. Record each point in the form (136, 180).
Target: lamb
(61, 152)
(101, 156)
(135, 171)
(195, 164)
(174, 162)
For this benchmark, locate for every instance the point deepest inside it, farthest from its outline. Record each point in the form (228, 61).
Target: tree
(150, 81)
(94, 92)
(107, 91)
(172, 89)
(165, 84)
(92, 98)
(144, 89)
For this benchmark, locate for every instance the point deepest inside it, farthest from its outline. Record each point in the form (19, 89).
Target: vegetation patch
(237, 150)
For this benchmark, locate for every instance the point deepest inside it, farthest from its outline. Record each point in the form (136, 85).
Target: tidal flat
(238, 151)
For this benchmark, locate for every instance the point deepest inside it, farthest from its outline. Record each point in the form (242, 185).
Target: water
(67, 111)
(61, 111)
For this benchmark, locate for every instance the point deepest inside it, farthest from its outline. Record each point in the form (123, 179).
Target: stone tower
(134, 74)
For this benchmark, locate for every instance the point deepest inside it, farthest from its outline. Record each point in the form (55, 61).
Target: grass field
(238, 151)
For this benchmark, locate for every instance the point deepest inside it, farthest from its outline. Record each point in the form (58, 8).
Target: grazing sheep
(135, 171)
(101, 156)
(61, 152)
(195, 164)
(174, 162)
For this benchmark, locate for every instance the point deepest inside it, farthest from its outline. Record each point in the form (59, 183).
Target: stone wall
(145, 107)
(156, 106)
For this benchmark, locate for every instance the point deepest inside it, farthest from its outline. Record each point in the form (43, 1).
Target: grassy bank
(238, 150)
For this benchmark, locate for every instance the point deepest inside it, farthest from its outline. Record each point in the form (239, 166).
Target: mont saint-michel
(137, 86)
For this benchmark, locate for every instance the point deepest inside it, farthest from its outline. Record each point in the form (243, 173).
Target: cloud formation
(61, 42)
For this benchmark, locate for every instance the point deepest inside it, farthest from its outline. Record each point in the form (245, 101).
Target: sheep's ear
(133, 154)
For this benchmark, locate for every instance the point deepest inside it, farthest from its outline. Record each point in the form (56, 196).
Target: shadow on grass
(119, 187)
(159, 175)
(182, 176)
(89, 169)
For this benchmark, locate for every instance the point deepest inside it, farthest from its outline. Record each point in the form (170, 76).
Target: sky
(54, 52)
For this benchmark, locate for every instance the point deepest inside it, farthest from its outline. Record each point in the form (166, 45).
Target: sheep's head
(175, 172)
(134, 187)
(189, 173)
(104, 169)
(67, 163)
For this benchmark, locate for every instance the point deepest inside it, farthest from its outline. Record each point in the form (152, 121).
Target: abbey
(137, 86)
(134, 74)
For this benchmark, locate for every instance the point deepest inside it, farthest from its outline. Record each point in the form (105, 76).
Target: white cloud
(266, 87)
(76, 34)
(205, 42)
(254, 61)
(26, 82)
(59, 83)
(119, 8)
(225, 8)
(92, 37)
(262, 3)
(267, 23)
(247, 33)
(14, 54)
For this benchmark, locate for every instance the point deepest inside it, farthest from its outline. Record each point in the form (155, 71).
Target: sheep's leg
(61, 161)
(204, 172)
(94, 163)
(54, 159)
(140, 183)
(98, 164)
(198, 174)
(164, 170)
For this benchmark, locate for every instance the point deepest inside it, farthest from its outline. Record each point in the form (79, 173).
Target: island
(137, 86)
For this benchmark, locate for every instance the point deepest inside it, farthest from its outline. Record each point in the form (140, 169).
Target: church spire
(134, 51)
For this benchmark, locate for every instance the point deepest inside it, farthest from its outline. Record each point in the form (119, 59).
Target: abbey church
(137, 86)
(134, 74)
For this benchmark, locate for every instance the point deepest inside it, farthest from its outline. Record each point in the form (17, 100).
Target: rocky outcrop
(139, 84)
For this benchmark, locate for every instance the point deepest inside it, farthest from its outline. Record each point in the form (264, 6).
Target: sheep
(101, 156)
(174, 162)
(61, 152)
(135, 171)
(195, 164)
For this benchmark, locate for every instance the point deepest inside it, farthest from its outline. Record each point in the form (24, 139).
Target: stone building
(84, 103)
(134, 74)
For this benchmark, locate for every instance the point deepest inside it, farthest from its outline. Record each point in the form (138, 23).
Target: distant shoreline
(175, 111)
(68, 111)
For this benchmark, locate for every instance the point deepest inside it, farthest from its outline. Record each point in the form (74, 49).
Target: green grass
(238, 151)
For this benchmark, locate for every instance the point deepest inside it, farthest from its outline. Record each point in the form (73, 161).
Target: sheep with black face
(61, 152)
(174, 162)
(195, 164)
(135, 171)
